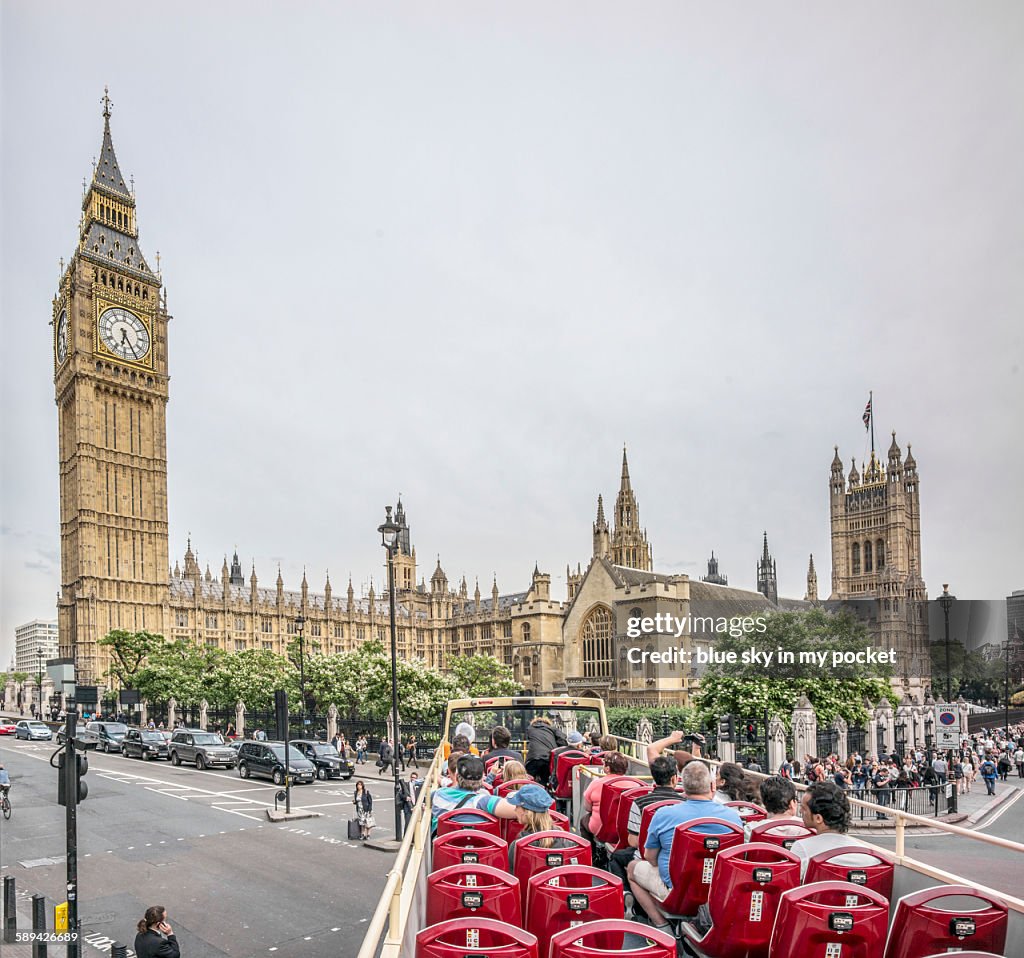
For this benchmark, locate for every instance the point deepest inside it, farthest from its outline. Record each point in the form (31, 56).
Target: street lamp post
(39, 682)
(946, 600)
(300, 624)
(929, 726)
(389, 531)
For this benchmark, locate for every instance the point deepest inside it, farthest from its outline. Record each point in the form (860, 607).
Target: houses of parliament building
(110, 363)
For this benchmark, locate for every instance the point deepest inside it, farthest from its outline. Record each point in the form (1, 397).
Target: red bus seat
(473, 819)
(563, 897)
(505, 787)
(749, 812)
(622, 815)
(567, 761)
(967, 954)
(470, 848)
(532, 856)
(822, 867)
(511, 828)
(612, 936)
(452, 939)
(645, 820)
(472, 891)
(830, 917)
(921, 928)
(780, 831)
(691, 864)
(611, 795)
(744, 898)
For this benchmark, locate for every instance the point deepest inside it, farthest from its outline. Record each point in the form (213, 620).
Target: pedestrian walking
(156, 938)
(385, 756)
(408, 800)
(410, 751)
(1018, 760)
(364, 810)
(988, 773)
(361, 750)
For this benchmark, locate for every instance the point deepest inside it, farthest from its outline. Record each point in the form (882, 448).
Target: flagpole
(871, 403)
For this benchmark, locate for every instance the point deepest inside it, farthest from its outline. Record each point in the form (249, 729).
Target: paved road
(986, 864)
(198, 842)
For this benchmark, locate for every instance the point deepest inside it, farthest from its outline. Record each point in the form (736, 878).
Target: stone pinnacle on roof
(625, 470)
(107, 174)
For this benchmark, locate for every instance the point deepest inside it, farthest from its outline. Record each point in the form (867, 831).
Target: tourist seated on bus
(466, 793)
(663, 771)
(463, 739)
(615, 766)
(533, 810)
(511, 771)
(649, 877)
(778, 799)
(501, 738)
(825, 808)
(735, 785)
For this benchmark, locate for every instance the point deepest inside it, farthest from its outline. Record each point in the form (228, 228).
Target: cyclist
(5, 780)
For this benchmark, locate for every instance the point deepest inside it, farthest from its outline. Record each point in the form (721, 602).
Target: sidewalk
(971, 808)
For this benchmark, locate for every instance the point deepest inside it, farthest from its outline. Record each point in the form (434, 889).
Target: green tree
(748, 689)
(483, 675)
(178, 669)
(128, 652)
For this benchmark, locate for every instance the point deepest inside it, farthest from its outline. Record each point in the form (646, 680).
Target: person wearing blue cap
(533, 811)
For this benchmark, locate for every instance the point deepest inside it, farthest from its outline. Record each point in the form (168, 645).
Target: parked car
(33, 730)
(144, 743)
(7, 728)
(108, 734)
(203, 748)
(325, 758)
(266, 760)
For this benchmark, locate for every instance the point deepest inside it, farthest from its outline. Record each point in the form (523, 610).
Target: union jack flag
(867, 415)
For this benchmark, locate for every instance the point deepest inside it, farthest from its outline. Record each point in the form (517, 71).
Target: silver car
(203, 748)
(33, 730)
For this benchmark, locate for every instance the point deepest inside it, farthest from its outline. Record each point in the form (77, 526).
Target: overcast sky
(466, 251)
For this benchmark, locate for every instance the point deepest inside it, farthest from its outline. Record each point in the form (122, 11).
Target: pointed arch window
(880, 554)
(867, 557)
(855, 558)
(597, 643)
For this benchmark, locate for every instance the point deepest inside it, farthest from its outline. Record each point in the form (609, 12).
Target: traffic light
(751, 730)
(726, 728)
(281, 714)
(80, 771)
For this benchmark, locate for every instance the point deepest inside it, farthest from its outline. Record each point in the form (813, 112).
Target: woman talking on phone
(156, 937)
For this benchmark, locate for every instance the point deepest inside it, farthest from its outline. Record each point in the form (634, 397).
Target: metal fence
(856, 740)
(927, 801)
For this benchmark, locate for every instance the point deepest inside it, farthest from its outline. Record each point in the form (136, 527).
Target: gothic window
(337, 630)
(867, 557)
(211, 643)
(895, 605)
(266, 624)
(597, 643)
(182, 620)
(636, 613)
(239, 624)
(508, 630)
(880, 554)
(527, 665)
(268, 646)
(525, 632)
(856, 558)
(240, 645)
(211, 620)
(314, 629)
(360, 633)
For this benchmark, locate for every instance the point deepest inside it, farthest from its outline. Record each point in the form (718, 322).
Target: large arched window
(526, 632)
(867, 556)
(856, 558)
(597, 643)
(880, 554)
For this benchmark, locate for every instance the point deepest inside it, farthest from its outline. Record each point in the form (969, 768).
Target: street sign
(60, 917)
(947, 726)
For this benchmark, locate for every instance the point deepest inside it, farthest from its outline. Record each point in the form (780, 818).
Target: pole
(287, 756)
(302, 679)
(1006, 693)
(871, 402)
(394, 693)
(767, 757)
(71, 825)
(949, 694)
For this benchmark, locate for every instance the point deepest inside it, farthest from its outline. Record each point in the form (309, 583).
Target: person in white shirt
(825, 808)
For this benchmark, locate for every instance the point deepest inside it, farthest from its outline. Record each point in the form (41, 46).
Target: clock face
(62, 336)
(124, 333)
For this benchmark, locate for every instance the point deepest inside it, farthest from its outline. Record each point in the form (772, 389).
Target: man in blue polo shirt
(649, 877)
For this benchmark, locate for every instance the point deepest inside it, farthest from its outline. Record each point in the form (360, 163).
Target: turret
(767, 578)
(602, 544)
(812, 583)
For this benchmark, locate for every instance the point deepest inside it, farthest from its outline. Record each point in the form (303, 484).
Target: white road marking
(999, 812)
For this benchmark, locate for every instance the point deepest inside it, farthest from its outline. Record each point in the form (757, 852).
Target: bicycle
(5, 803)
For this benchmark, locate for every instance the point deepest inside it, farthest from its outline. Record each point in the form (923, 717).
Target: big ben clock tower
(110, 379)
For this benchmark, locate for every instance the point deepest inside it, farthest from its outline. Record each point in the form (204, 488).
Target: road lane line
(1000, 811)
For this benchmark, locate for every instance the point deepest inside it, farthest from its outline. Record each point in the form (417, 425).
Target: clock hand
(124, 339)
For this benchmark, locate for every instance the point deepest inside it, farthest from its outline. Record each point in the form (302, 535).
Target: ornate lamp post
(901, 738)
(389, 531)
(946, 600)
(300, 624)
(929, 727)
